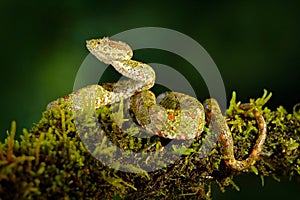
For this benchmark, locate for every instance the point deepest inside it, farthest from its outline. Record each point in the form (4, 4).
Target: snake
(176, 116)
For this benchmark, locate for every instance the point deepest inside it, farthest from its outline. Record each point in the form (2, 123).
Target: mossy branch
(51, 161)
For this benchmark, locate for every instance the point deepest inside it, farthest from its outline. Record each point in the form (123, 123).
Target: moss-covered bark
(51, 160)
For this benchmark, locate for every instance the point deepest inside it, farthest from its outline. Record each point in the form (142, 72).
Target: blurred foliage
(255, 45)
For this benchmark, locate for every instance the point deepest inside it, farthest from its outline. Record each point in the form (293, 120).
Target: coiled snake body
(184, 120)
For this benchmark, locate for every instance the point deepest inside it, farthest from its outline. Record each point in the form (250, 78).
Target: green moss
(51, 160)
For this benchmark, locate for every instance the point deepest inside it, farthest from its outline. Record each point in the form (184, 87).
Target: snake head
(107, 50)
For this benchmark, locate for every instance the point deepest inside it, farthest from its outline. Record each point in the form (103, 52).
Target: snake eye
(98, 42)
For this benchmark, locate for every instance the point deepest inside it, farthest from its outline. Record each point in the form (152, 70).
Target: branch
(52, 159)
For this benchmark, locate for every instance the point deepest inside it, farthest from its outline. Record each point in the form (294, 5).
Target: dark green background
(255, 45)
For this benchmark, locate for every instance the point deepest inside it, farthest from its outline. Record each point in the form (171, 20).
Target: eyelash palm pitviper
(181, 120)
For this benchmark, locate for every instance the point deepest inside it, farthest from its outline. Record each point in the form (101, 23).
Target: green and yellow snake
(181, 120)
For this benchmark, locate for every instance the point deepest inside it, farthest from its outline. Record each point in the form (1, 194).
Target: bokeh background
(255, 45)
